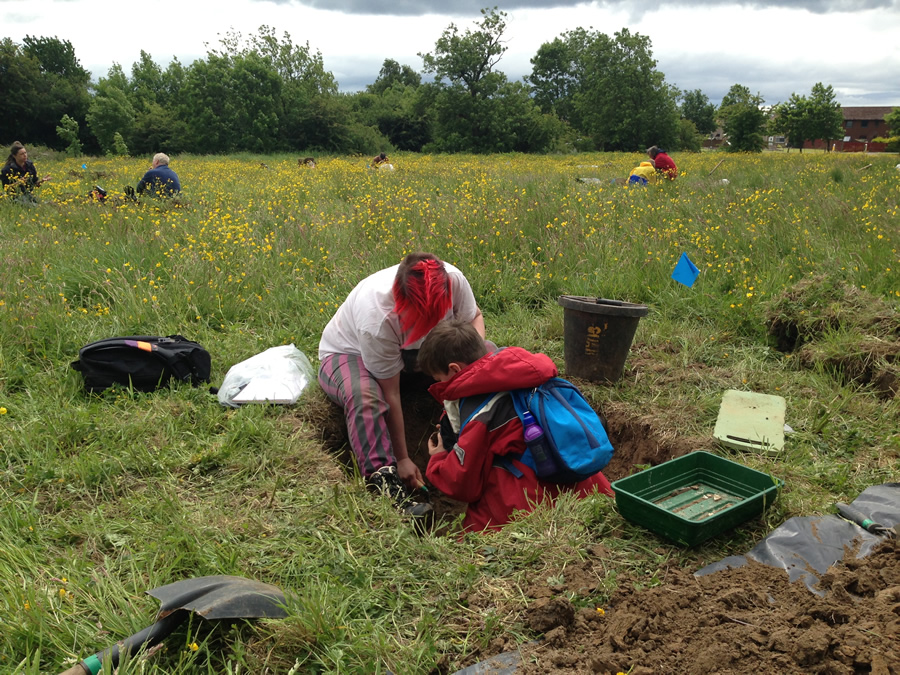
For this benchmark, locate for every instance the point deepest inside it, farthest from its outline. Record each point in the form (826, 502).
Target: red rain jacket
(467, 472)
(665, 165)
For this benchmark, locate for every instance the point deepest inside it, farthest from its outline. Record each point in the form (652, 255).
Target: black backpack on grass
(144, 363)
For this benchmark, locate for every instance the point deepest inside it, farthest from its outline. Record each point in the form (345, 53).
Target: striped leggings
(346, 381)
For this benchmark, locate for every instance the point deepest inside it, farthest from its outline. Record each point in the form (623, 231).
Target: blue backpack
(574, 438)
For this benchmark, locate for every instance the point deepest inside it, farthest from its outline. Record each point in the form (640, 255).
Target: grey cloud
(713, 75)
(473, 7)
(776, 82)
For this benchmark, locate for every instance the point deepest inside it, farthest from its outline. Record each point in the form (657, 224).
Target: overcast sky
(774, 47)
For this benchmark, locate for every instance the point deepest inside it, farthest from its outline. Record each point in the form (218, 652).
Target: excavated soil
(746, 620)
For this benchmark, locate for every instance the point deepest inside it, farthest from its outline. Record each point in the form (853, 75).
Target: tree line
(587, 91)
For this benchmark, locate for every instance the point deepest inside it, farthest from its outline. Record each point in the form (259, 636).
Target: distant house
(715, 139)
(860, 126)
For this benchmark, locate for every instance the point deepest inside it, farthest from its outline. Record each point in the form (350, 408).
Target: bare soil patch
(746, 620)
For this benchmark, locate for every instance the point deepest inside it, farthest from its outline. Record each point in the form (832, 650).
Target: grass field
(105, 497)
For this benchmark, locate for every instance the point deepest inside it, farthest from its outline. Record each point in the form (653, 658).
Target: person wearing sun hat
(374, 337)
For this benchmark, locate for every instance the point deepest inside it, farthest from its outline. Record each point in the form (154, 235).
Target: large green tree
(468, 59)
(309, 92)
(400, 112)
(792, 120)
(398, 105)
(696, 107)
(476, 109)
(393, 74)
(802, 118)
(41, 81)
(155, 95)
(607, 89)
(503, 119)
(65, 85)
(231, 103)
(743, 119)
(20, 101)
(111, 111)
(557, 74)
(624, 100)
(825, 117)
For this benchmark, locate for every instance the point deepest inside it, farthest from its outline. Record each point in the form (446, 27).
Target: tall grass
(104, 497)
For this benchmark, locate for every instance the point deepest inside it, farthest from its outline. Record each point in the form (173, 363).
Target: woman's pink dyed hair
(422, 294)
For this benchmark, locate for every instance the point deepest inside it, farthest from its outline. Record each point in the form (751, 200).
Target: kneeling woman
(18, 175)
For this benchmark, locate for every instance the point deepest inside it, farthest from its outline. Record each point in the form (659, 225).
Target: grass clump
(841, 329)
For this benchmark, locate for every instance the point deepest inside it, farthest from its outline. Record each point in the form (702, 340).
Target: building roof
(867, 113)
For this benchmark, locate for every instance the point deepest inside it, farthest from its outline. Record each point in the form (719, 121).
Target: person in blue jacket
(160, 180)
(18, 176)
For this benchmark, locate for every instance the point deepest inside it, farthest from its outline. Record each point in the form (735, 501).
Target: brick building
(860, 126)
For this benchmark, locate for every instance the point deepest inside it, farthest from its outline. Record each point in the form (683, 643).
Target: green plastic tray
(695, 497)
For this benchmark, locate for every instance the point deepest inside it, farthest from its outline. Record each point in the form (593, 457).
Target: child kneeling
(474, 386)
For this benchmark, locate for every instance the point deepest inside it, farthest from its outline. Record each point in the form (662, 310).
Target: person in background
(664, 164)
(642, 174)
(160, 180)
(380, 159)
(482, 465)
(374, 337)
(18, 176)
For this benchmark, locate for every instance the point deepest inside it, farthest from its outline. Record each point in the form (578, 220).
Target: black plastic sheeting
(804, 547)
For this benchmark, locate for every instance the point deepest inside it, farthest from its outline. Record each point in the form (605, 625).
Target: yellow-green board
(751, 421)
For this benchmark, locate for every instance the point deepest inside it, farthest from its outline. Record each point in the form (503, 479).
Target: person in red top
(474, 383)
(664, 163)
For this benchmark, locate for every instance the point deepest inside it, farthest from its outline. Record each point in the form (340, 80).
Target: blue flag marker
(685, 271)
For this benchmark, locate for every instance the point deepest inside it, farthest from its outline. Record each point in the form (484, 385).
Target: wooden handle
(77, 669)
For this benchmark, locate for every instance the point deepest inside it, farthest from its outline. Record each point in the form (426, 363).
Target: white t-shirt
(366, 323)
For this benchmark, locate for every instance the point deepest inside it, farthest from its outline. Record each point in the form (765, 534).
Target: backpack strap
(506, 462)
(176, 362)
(520, 399)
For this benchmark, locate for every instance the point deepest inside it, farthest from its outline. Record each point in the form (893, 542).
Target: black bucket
(598, 335)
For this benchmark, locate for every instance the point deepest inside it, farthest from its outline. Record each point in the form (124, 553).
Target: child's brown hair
(450, 341)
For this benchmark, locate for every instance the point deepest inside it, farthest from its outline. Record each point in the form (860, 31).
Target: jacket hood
(505, 369)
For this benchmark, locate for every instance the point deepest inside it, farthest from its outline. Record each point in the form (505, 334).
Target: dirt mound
(844, 329)
(638, 444)
(812, 307)
(746, 620)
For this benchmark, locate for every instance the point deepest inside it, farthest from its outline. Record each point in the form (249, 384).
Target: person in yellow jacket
(643, 174)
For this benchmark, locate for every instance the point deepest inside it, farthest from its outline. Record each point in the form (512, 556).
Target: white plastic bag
(277, 375)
